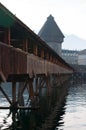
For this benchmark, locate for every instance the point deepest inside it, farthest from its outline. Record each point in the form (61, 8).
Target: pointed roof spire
(50, 31)
(50, 17)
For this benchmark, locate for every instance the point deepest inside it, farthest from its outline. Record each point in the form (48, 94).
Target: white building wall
(82, 59)
(70, 57)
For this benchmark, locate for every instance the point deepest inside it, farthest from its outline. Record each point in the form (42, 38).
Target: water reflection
(51, 111)
(75, 109)
(65, 109)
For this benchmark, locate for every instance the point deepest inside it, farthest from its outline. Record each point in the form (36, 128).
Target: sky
(70, 15)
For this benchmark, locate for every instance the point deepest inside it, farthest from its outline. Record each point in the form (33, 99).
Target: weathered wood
(21, 107)
(35, 50)
(12, 61)
(31, 91)
(48, 85)
(15, 61)
(2, 107)
(17, 77)
(7, 36)
(42, 53)
(22, 87)
(13, 92)
(30, 108)
(25, 45)
(2, 77)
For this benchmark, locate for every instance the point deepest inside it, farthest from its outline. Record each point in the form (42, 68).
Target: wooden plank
(17, 77)
(2, 107)
(21, 107)
(30, 108)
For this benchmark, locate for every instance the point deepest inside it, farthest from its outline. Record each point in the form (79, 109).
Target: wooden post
(13, 92)
(51, 58)
(25, 45)
(31, 91)
(48, 85)
(42, 53)
(35, 50)
(47, 56)
(7, 36)
(37, 86)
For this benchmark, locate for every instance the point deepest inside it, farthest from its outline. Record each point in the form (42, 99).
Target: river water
(73, 112)
(74, 117)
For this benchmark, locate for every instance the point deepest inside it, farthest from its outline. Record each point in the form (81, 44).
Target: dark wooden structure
(24, 57)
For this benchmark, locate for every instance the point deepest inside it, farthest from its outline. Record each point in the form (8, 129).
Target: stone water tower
(52, 35)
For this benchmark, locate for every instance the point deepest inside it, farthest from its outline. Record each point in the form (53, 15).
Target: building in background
(82, 57)
(70, 56)
(52, 35)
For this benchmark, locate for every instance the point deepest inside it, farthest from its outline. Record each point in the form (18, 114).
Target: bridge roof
(50, 32)
(20, 31)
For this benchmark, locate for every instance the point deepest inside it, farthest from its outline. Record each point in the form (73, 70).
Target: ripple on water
(75, 112)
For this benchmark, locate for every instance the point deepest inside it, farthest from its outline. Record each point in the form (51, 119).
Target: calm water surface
(74, 110)
(74, 117)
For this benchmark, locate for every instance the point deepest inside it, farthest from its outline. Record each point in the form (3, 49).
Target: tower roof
(50, 32)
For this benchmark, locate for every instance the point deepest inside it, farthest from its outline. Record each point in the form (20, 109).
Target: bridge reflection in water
(44, 118)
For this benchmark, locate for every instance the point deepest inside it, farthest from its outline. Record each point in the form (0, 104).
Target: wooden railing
(12, 61)
(16, 61)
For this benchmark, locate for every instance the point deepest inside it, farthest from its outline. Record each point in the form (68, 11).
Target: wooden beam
(30, 108)
(2, 107)
(21, 107)
(22, 86)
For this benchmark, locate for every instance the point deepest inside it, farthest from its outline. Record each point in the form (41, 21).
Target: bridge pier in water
(46, 95)
(35, 86)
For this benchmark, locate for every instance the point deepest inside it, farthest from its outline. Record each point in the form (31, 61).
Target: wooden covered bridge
(25, 58)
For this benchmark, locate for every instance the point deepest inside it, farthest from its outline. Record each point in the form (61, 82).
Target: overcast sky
(70, 15)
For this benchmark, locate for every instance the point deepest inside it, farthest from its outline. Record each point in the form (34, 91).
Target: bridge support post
(31, 91)
(13, 92)
(7, 36)
(48, 85)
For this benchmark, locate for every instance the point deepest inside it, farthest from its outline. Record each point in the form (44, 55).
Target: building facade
(70, 56)
(82, 57)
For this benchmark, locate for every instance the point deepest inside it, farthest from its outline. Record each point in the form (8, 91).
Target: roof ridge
(50, 31)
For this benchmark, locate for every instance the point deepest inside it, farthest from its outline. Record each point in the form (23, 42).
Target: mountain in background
(73, 42)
